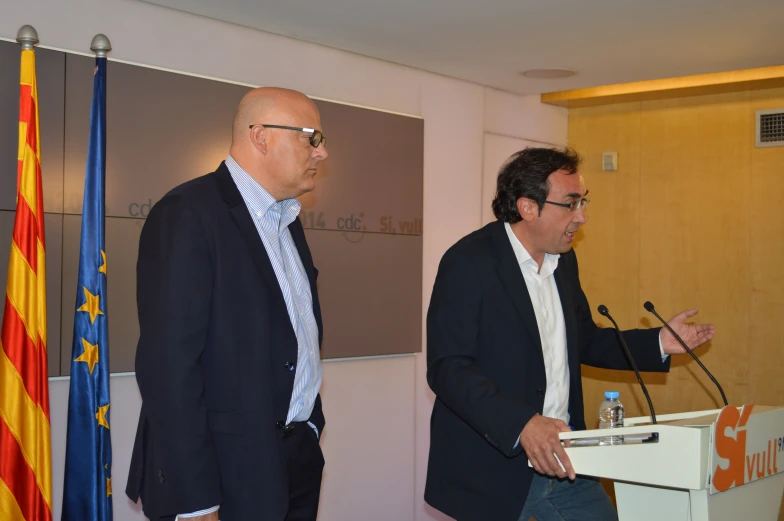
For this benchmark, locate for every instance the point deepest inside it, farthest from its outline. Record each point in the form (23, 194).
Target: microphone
(605, 312)
(649, 307)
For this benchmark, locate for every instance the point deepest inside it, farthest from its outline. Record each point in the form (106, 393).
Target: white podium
(720, 465)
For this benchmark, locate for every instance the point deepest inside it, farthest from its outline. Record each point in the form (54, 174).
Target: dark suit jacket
(485, 365)
(214, 358)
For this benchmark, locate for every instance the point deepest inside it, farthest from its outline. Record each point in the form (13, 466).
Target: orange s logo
(731, 449)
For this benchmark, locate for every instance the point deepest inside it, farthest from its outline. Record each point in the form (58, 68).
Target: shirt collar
(524, 258)
(257, 199)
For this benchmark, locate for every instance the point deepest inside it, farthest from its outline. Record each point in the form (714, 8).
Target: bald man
(228, 359)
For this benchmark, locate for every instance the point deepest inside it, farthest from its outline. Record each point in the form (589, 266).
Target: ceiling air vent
(770, 128)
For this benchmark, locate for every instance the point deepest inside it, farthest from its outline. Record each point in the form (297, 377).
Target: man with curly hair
(507, 329)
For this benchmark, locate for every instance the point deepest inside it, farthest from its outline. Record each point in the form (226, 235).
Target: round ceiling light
(549, 74)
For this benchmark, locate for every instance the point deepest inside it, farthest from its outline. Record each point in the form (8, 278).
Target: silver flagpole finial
(100, 45)
(27, 37)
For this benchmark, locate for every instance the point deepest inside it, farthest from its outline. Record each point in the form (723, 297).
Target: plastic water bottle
(611, 415)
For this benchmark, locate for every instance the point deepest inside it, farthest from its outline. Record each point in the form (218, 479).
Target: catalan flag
(88, 456)
(25, 447)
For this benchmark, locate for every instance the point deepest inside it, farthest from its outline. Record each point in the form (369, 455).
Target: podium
(719, 465)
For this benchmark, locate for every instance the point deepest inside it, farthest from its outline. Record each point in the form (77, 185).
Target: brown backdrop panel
(370, 286)
(364, 219)
(162, 129)
(372, 180)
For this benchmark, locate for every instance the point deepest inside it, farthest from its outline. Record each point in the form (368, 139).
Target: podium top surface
(692, 419)
(680, 451)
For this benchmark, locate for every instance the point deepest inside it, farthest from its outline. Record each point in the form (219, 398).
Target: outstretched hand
(693, 334)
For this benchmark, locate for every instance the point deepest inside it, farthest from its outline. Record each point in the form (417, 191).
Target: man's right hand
(541, 444)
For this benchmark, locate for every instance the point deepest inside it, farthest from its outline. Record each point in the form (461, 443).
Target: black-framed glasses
(574, 205)
(316, 137)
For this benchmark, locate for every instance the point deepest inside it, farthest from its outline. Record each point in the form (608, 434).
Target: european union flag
(88, 457)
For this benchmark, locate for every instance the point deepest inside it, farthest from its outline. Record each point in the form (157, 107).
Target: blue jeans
(552, 499)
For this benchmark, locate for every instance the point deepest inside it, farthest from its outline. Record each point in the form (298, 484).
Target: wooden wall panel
(766, 264)
(690, 219)
(694, 221)
(608, 245)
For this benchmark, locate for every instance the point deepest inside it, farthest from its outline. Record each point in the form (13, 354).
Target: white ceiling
(491, 42)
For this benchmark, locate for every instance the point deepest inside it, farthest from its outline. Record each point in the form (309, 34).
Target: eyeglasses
(574, 205)
(316, 137)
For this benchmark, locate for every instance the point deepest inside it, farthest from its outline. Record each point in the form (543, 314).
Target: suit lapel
(512, 278)
(242, 217)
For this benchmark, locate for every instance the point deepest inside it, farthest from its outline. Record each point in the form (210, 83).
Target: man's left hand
(693, 334)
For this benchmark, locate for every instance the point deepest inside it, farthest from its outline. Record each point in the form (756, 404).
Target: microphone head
(603, 310)
(648, 306)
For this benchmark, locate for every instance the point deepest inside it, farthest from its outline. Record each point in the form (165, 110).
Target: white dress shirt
(272, 219)
(552, 331)
(540, 281)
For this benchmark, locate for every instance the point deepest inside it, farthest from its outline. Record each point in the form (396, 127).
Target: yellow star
(90, 355)
(102, 269)
(92, 305)
(101, 416)
(108, 487)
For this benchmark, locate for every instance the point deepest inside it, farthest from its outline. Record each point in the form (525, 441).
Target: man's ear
(528, 209)
(258, 136)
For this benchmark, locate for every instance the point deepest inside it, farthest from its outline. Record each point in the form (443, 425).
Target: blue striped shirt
(272, 219)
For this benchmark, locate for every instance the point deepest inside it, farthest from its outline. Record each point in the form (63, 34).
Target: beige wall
(691, 218)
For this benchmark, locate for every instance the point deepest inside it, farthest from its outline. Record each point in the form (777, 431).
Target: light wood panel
(695, 208)
(743, 80)
(608, 246)
(692, 218)
(766, 264)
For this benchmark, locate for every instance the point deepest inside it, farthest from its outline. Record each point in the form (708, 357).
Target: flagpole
(87, 485)
(100, 45)
(26, 469)
(27, 37)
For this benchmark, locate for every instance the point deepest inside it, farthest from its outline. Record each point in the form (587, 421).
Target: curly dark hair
(526, 174)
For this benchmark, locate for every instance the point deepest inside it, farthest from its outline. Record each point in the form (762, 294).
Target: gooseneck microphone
(605, 312)
(649, 307)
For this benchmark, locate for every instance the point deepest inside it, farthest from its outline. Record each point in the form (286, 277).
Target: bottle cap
(611, 395)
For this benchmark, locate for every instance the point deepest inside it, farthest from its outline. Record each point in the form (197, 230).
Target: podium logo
(731, 436)
(731, 447)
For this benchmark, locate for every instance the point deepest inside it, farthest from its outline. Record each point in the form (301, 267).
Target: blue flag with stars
(88, 456)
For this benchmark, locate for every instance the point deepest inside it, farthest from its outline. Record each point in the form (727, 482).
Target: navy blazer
(213, 359)
(485, 365)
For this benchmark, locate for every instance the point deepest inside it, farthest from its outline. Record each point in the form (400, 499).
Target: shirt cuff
(661, 348)
(314, 430)
(199, 513)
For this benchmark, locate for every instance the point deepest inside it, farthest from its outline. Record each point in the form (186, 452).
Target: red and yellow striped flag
(25, 447)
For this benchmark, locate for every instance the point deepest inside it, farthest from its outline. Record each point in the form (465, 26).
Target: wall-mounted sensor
(610, 161)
